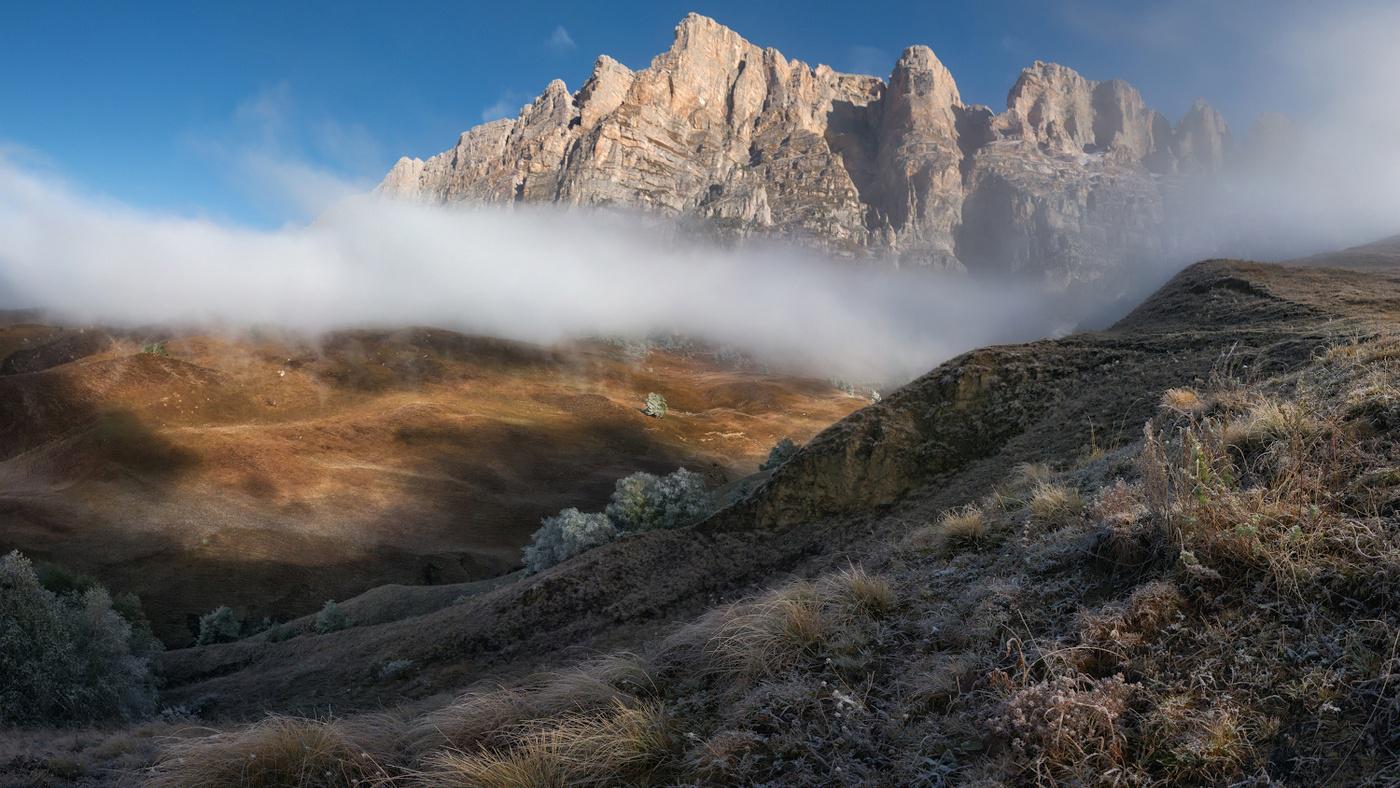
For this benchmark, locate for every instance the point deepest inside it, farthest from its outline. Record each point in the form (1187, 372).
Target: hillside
(1163, 553)
(1073, 181)
(272, 473)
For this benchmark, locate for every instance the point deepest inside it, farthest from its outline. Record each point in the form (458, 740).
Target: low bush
(220, 625)
(655, 406)
(331, 618)
(66, 658)
(779, 454)
(566, 535)
(640, 502)
(644, 502)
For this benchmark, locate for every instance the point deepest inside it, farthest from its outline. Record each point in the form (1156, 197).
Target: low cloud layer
(536, 275)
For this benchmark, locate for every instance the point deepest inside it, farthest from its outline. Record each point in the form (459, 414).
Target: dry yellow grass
(957, 529)
(1266, 422)
(485, 717)
(279, 752)
(1055, 505)
(1185, 402)
(624, 744)
(769, 634)
(963, 527)
(872, 595)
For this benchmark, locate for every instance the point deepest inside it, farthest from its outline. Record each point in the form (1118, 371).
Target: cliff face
(1070, 181)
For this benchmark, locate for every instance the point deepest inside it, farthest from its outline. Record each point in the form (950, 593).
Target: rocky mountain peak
(1202, 139)
(751, 143)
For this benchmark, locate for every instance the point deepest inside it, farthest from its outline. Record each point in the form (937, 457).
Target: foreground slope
(270, 473)
(1160, 554)
(939, 441)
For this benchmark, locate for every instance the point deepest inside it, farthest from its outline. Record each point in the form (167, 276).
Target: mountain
(1071, 180)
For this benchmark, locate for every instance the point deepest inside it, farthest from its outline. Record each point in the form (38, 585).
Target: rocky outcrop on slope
(1071, 180)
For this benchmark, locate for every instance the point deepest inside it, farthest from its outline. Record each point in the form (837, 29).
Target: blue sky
(190, 107)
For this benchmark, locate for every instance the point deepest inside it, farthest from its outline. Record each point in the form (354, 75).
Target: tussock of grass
(1267, 422)
(280, 751)
(1055, 506)
(1190, 741)
(1185, 402)
(485, 718)
(775, 631)
(963, 528)
(872, 595)
(769, 634)
(622, 744)
(1015, 491)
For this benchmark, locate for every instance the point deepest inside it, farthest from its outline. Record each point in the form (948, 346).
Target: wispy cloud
(506, 106)
(294, 158)
(560, 42)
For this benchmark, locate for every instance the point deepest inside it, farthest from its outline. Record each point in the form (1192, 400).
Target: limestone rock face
(1067, 183)
(1202, 140)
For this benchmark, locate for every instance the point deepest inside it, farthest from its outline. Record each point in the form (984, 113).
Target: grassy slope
(270, 474)
(1160, 554)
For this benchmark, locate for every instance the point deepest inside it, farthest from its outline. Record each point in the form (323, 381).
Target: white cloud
(507, 106)
(532, 274)
(560, 42)
(293, 158)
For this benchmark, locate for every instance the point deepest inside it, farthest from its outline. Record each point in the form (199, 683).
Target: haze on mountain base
(540, 273)
(532, 274)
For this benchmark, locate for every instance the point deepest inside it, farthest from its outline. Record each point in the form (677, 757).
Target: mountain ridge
(1071, 180)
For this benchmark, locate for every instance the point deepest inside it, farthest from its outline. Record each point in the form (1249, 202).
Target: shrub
(143, 638)
(644, 502)
(655, 406)
(1069, 727)
(566, 535)
(281, 632)
(396, 669)
(65, 658)
(331, 618)
(221, 625)
(154, 349)
(781, 453)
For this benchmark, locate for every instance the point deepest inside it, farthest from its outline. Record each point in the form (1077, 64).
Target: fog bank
(530, 274)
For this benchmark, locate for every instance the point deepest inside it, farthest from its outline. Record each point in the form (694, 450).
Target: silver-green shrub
(220, 625)
(65, 658)
(780, 453)
(656, 406)
(645, 502)
(331, 618)
(565, 535)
